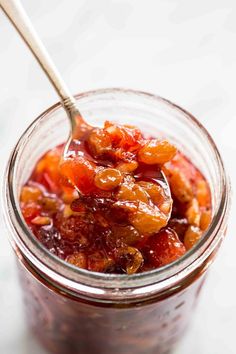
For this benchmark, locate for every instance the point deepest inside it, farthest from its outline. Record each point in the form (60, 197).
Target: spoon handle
(18, 17)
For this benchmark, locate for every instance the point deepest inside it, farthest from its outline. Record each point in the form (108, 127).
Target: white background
(184, 50)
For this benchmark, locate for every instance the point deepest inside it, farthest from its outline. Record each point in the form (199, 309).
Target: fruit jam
(105, 207)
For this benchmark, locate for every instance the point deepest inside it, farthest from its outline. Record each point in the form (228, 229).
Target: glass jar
(72, 310)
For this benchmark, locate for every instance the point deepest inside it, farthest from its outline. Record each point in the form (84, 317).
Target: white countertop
(181, 49)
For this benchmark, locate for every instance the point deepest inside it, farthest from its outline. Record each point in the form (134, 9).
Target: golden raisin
(127, 234)
(157, 195)
(156, 152)
(148, 220)
(30, 194)
(126, 206)
(166, 206)
(74, 228)
(127, 167)
(126, 192)
(155, 192)
(180, 186)
(50, 204)
(67, 212)
(108, 179)
(205, 219)
(140, 193)
(78, 259)
(131, 258)
(99, 262)
(203, 193)
(69, 195)
(41, 220)
(99, 142)
(193, 213)
(192, 235)
(132, 191)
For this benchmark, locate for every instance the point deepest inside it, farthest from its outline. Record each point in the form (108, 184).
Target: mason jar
(76, 311)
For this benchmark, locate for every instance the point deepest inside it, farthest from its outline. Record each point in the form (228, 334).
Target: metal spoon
(18, 17)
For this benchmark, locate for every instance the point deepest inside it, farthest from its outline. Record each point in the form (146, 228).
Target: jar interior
(156, 117)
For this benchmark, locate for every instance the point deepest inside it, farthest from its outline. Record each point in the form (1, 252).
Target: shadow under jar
(71, 310)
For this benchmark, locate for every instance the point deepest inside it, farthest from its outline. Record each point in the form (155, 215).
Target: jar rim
(83, 281)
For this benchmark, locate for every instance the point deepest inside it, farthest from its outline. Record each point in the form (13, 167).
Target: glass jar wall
(71, 310)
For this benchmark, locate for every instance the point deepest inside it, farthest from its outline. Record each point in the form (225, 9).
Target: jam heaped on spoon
(105, 208)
